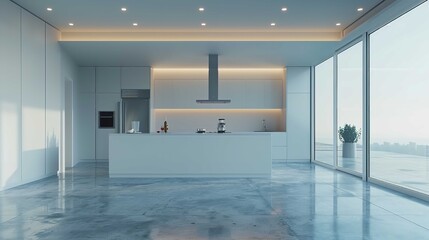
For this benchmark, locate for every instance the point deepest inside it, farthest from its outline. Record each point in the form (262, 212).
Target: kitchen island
(190, 155)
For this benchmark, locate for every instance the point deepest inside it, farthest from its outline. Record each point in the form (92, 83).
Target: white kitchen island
(190, 155)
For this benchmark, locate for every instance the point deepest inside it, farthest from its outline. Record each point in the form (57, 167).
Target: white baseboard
(93, 160)
(298, 161)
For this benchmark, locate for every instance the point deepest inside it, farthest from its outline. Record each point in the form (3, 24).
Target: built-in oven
(106, 119)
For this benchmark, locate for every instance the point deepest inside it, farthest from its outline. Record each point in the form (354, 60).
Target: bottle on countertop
(165, 126)
(264, 125)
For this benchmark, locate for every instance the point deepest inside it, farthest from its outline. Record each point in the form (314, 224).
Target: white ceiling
(195, 54)
(308, 17)
(183, 15)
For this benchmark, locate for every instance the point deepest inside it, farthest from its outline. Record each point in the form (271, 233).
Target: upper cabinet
(246, 88)
(298, 80)
(113, 79)
(108, 79)
(86, 80)
(135, 77)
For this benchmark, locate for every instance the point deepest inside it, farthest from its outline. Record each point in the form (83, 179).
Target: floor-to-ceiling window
(323, 104)
(349, 107)
(399, 97)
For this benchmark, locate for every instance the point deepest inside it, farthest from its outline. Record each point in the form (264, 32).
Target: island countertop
(241, 154)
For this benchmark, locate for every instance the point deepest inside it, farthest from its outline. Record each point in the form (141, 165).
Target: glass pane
(324, 114)
(350, 108)
(399, 73)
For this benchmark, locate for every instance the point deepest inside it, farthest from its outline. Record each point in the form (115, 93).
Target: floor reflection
(300, 201)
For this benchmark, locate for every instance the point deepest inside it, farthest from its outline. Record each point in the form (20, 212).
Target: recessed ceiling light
(49, 9)
(273, 24)
(123, 9)
(203, 24)
(71, 24)
(338, 24)
(284, 9)
(135, 24)
(201, 9)
(359, 9)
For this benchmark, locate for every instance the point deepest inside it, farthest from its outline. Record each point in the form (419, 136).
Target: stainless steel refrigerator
(135, 107)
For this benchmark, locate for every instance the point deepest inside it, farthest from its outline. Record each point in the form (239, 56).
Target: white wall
(298, 113)
(30, 97)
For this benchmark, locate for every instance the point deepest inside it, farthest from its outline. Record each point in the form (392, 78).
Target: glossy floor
(300, 201)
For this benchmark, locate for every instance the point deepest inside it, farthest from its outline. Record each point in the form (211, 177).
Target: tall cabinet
(85, 115)
(54, 89)
(100, 93)
(10, 94)
(33, 97)
(30, 97)
(107, 97)
(298, 113)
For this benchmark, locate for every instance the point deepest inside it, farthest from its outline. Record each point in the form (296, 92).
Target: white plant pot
(349, 150)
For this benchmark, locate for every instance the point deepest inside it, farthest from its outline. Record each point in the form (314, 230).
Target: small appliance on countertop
(221, 126)
(201, 130)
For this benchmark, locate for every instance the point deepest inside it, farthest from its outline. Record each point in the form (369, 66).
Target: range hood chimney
(213, 81)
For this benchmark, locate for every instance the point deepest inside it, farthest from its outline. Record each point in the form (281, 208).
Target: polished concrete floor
(300, 201)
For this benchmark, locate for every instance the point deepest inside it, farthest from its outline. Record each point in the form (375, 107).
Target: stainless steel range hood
(213, 82)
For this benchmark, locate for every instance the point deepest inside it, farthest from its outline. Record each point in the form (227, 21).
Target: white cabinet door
(298, 113)
(278, 139)
(86, 117)
(298, 79)
(278, 145)
(188, 91)
(86, 80)
(135, 77)
(10, 94)
(255, 94)
(165, 94)
(278, 152)
(86, 122)
(233, 90)
(106, 102)
(273, 94)
(244, 93)
(53, 99)
(298, 126)
(108, 80)
(33, 97)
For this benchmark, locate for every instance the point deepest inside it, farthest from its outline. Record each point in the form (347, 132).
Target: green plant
(349, 134)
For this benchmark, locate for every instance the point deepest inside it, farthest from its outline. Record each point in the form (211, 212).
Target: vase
(349, 150)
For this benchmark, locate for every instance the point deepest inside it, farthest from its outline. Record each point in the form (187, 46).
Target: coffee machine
(221, 126)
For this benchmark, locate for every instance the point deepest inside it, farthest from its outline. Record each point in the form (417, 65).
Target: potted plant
(349, 135)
